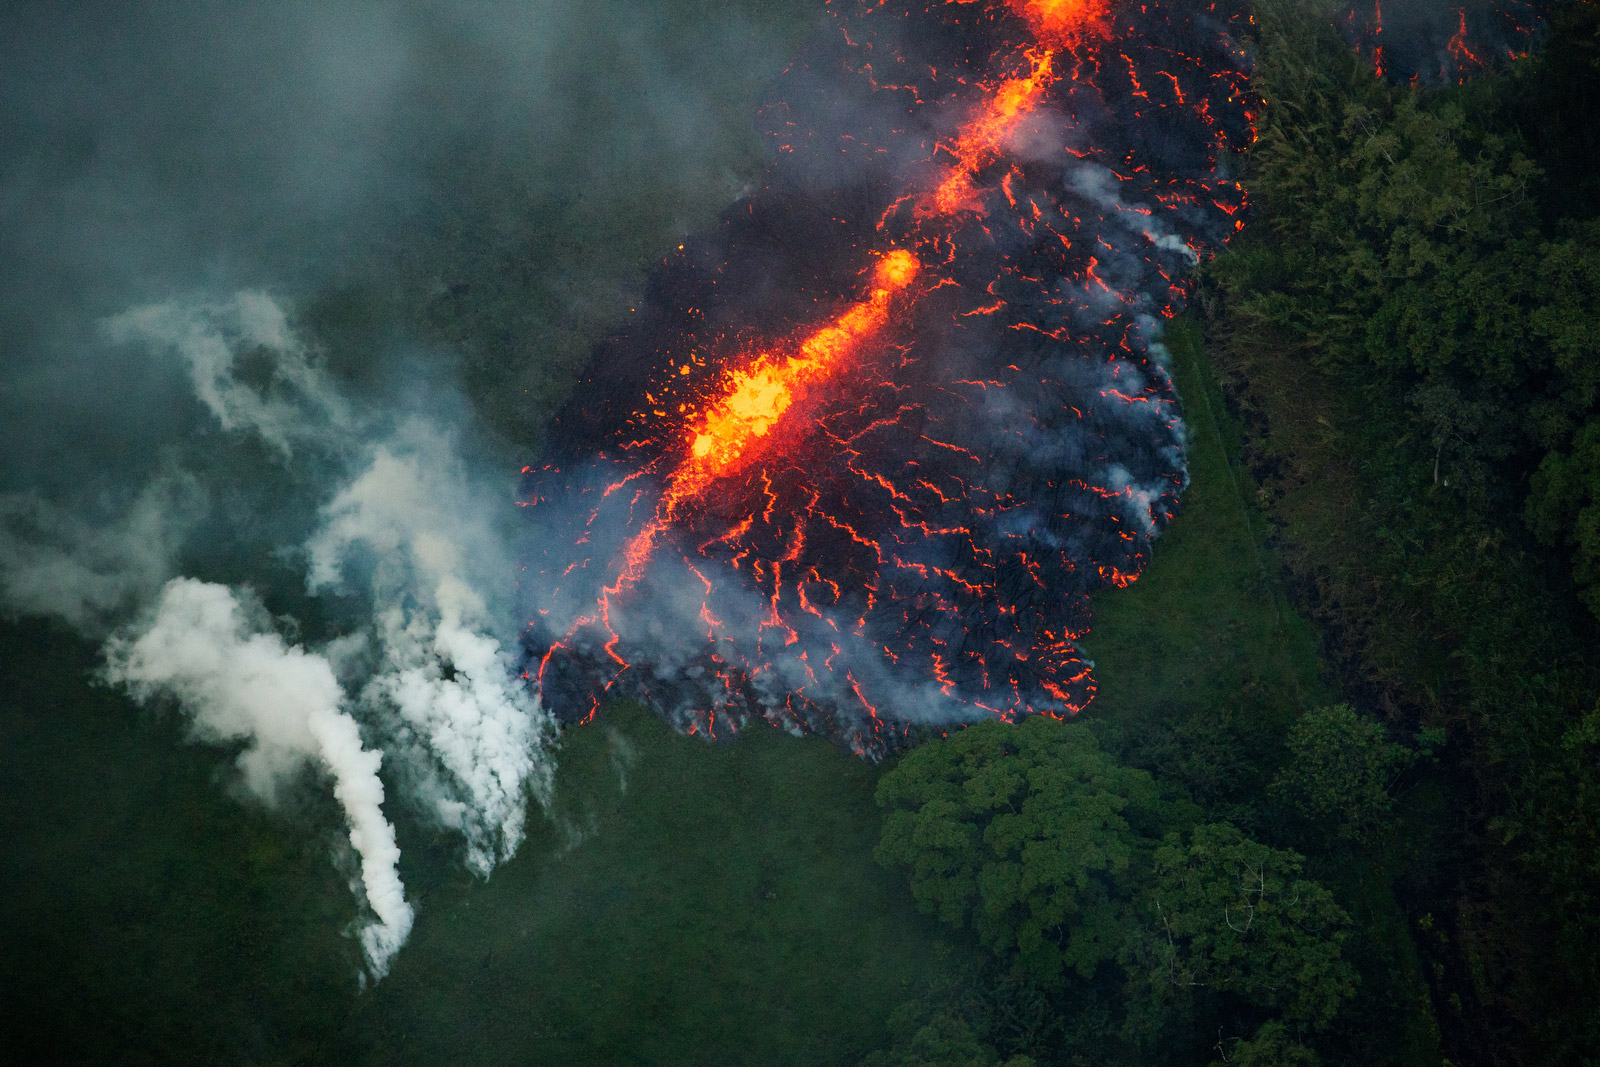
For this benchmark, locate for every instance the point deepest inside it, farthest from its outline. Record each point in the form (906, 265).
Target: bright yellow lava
(758, 396)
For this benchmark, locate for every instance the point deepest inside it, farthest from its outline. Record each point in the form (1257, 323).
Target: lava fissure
(886, 430)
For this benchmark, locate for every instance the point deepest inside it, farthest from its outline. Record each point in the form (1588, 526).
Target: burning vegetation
(863, 453)
(1431, 45)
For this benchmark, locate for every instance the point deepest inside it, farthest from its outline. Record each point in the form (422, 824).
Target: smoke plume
(216, 652)
(286, 292)
(467, 720)
(411, 535)
(56, 561)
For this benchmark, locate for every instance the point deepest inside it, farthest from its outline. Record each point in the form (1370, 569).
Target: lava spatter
(870, 445)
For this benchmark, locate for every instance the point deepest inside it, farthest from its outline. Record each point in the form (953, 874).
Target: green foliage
(941, 1040)
(1407, 242)
(1272, 1046)
(1201, 664)
(1028, 833)
(1409, 323)
(1340, 772)
(1564, 507)
(1078, 872)
(682, 903)
(1236, 916)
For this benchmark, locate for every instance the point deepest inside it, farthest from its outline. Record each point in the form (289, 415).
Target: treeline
(1411, 323)
(1127, 923)
(1407, 331)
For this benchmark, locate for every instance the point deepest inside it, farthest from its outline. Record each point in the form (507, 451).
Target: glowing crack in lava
(866, 449)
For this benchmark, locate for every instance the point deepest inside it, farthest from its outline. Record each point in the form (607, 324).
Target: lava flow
(865, 451)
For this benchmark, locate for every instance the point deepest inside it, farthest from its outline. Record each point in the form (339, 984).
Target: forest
(1404, 336)
(1337, 800)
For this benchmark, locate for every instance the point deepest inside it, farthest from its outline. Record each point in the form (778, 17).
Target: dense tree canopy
(1237, 916)
(1082, 873)
(1340, 771)
(1410, 320)
(1030, 834)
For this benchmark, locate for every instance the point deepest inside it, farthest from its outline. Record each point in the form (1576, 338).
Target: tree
(1340, 770)
(1233, 916)
(1028, 833)
(1272, 1046)
(1564, 508)
(941, 1040)
(1071, 866)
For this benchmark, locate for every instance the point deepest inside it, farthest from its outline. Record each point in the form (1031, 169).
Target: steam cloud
(419, 536)
(217, 653)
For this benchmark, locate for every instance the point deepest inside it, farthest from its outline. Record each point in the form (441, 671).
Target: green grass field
(685, 902)
(1207, 622)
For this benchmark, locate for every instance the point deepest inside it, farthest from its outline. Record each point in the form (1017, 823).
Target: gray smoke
(426, 668)
(297, 405)
(89, 568)
(284, 290)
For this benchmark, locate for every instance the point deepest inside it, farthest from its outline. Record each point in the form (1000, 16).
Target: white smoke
(410, 526)
(295, 402)
(469, 720)
(1104, 188)
(238, 681)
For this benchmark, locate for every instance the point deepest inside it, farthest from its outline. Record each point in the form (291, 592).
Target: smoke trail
(295, 403)
(410, 534)
(216, 652)
(54, 561)
(468, 721)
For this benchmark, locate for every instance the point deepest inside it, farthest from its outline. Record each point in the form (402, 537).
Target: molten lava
(1442, 45)
(869, 446)
(1059, 22)
(985, 138)
(756, 397)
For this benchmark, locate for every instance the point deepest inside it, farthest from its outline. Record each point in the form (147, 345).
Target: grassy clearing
(1203, 665)
(150, 918)
(686, 903)
(1204, 645)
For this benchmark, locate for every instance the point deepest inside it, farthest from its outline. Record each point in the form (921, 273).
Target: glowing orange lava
(870, 510)
(1058, 22)
(758, 396)
(1460, 49)
(754, 399)
(985, 137)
